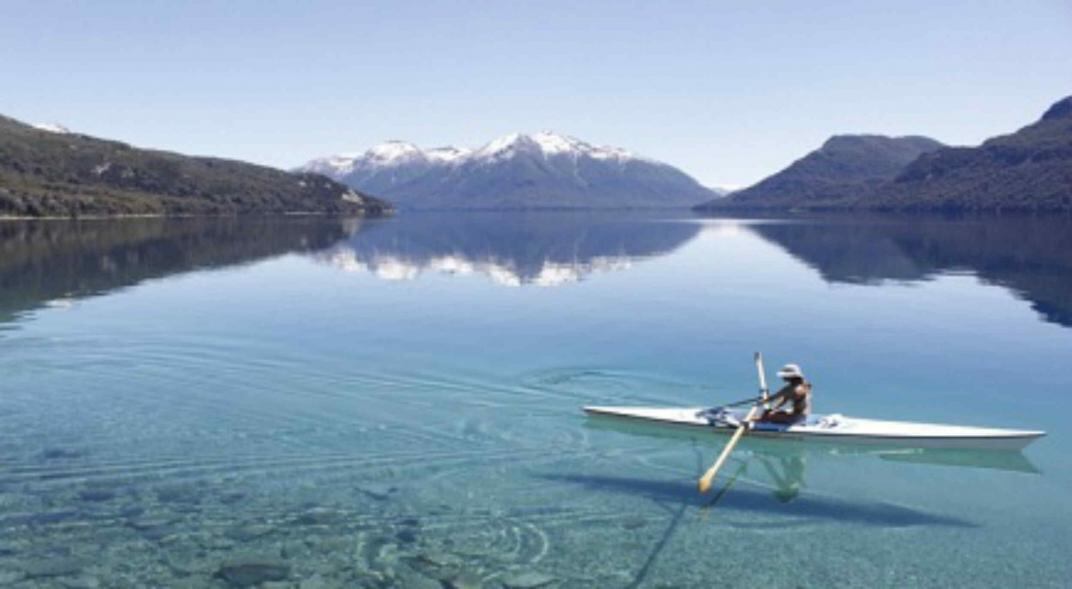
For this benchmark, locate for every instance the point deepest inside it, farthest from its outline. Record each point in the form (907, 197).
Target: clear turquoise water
(396, 403)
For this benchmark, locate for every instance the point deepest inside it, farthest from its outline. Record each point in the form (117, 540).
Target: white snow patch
(52, 128)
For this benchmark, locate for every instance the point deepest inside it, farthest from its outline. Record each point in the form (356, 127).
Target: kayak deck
(836, 428)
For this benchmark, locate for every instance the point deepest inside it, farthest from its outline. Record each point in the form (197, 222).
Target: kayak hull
(836, 429)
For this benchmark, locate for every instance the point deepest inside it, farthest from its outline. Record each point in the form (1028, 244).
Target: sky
(727, 91)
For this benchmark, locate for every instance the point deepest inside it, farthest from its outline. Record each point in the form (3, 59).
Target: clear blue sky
(727, 91)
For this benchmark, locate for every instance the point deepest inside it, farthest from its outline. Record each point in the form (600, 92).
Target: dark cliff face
(63, 174)
(844, 167)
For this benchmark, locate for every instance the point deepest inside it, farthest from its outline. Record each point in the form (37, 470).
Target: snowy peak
(394, 151)
(547, 144)
(446, 154)
(394, 154)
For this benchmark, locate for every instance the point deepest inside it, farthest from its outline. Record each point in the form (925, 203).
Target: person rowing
(796, 394)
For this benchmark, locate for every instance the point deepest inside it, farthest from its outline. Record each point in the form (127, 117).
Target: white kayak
(833, 428)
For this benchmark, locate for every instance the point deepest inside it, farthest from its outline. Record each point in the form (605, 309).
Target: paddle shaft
(709, 476)
(764, 392)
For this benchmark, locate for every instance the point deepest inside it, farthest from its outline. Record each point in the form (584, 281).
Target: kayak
(834, 428)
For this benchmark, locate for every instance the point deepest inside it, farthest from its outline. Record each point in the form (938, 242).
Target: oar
(709, 476)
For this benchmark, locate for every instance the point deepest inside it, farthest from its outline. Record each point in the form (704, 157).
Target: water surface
(396, 403)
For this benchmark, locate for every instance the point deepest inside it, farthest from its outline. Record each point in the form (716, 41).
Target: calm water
(396, 403)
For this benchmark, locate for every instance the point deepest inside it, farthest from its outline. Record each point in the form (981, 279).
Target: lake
(396, 403)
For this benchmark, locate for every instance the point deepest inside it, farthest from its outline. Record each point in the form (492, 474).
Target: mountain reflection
(1030, 256)
(513, 249)
(43, 261)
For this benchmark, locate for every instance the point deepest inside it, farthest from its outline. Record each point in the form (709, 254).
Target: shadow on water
(748, 500)
(1032, 256)
(43, 261)
(515, 249)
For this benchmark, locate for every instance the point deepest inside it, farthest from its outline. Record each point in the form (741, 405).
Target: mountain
(518, 171)
(53, 172)
(844, 167)
(1029, 170)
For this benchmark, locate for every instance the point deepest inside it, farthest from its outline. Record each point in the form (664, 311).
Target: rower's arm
(780, 398)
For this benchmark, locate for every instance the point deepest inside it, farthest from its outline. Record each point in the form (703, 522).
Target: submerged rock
(62, 453)
(314, 582)
(527, 580)
(53, 567)
(10, 577)
(95, 495)
(465, 580)
(320, 516)
(185, 494)
(439, 559)
(249, 573)
(248, 532)
(378, 492)
(81, 582)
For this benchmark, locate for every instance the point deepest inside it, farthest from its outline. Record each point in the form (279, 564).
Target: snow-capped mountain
(543, 170)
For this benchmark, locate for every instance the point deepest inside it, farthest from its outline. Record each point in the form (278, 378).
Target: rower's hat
(790, 371)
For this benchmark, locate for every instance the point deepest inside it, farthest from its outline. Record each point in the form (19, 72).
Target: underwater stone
(248, 573)
(465, 580)
(412, 579)
(439, 559)
(318, 516)
(81, 582)
(62, 454)
(527, 580)
(233, 497)
(248, 532)
(185, 494)
(95, 495)
(294, 549)
(379, 492)
(53, 567)
(314, 582)
(10, 577)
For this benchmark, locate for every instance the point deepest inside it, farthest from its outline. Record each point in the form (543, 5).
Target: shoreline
(4, 218)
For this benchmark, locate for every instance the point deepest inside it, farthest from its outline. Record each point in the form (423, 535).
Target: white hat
(790, 371)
